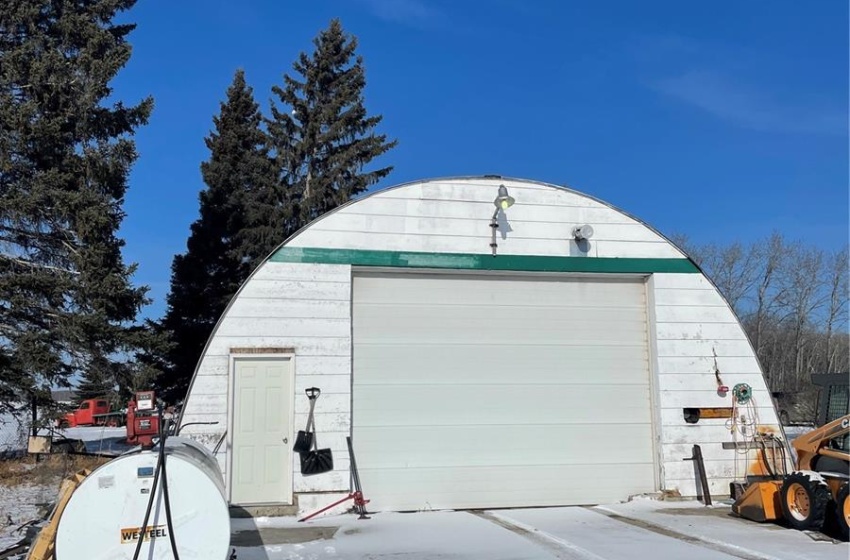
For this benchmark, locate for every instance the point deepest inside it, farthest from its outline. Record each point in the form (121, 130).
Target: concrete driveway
(637, 529)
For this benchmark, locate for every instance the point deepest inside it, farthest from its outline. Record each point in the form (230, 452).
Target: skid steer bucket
(760, 501)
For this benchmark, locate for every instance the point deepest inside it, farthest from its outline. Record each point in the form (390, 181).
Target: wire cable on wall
(744, 422)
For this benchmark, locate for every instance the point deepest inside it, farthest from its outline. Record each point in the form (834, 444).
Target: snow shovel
(313, 459)
(304, 438)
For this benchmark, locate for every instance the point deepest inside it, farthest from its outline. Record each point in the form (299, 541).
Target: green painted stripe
(460, 261)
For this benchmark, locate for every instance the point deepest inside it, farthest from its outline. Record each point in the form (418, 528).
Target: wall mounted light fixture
(502, 202)
(581, 233)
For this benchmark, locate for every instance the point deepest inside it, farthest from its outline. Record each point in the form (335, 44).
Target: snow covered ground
(13, 435)
(22, 502)
(793, 432)
(642, 528)
(100, 439)
(675, 530)
(397, 536)
(627, 531)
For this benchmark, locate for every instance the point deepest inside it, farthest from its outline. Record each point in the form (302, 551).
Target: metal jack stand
(357, 495)
(359, 502)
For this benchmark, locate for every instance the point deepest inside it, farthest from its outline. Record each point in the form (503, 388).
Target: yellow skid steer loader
(813, 494)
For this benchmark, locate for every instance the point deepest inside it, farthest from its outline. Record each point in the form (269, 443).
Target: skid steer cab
(815, 495)
(142, 419)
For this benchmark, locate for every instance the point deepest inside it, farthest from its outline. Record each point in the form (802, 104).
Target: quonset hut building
(542, 348)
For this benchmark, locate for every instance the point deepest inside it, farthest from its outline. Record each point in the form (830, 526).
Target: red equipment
(92, 412)
(357, 495)
(142, 419)
(359, 506)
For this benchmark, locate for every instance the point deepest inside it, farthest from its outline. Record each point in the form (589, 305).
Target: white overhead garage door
(494, 391)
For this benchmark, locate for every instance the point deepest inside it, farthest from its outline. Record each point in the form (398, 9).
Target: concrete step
(272, 510)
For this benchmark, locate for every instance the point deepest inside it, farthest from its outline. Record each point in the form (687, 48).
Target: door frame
(264, 355)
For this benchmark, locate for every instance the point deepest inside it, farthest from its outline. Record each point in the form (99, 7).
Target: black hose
(774, 469)
(160, 466)
(767, 466)
(784, 459)
(179, 428)
(150, 500)
(168, 522)
(220, 441)
(763, 453)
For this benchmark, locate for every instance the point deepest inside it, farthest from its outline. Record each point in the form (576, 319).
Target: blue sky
(723, 120)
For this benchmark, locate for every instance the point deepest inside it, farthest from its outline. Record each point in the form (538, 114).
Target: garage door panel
(499, 391)
(473, 404)
(492, 487)
(464, 325)
(484, 292)
(464, 314)
(468, 446)
(444, 364)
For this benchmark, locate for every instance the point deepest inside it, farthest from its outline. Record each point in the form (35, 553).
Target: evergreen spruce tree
(324, 139)
(231, 236)
(94, 389)
(66, 299)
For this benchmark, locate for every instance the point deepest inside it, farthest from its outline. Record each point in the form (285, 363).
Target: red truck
(93, 412)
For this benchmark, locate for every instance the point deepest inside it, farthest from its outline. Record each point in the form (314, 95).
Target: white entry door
(490, 391)
(261, 456)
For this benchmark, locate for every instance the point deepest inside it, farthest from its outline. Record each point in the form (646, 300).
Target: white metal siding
(693, 324)
(303, 307)
(691, 320)
(493, 391)
(453, 217)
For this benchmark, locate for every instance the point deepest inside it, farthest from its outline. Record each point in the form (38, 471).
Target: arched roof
(301, 238)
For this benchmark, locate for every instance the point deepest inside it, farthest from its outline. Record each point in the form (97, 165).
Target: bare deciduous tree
(768, 257)
(792, 299)
(839, 292)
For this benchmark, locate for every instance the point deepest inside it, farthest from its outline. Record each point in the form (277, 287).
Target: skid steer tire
(804, 498)
(842, 511)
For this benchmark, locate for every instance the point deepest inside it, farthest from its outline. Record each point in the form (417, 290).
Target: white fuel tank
(104, 515)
